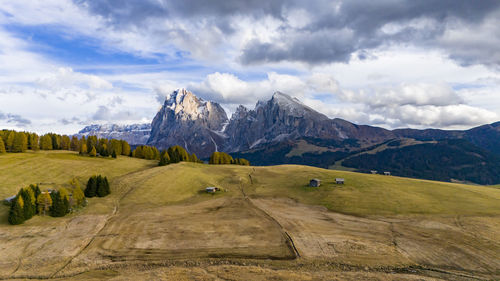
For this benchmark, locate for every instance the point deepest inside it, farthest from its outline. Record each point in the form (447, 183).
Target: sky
(395, 64)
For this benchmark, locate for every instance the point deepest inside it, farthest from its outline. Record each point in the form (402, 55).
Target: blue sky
(388, 63)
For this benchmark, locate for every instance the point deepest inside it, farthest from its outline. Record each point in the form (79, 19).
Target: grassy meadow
(156, 214)
(145, 183)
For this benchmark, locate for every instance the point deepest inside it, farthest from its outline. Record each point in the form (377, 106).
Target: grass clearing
(157, 214)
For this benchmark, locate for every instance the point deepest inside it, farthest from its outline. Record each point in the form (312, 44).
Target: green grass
(57, 168)
(138, 181)
(365, 194)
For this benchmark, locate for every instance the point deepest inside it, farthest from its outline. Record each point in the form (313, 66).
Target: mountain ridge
(283, 130)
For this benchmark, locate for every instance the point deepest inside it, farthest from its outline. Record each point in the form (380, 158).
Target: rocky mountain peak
(185, 104)
(189, 121)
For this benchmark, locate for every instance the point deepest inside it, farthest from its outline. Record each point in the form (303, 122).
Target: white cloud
(65, 77)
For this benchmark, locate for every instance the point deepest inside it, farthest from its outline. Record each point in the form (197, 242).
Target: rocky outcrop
(134, 134)
(286, 118)
(189, 121)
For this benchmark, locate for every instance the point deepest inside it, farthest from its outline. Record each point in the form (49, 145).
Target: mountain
(283, 130)
(134, 134)
(189, 121)
(286, 118)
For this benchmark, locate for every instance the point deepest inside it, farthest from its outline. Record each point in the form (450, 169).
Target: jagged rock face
(134, 134)
(189, 121)
(285, 118)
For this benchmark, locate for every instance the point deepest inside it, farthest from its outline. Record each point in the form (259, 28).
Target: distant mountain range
(283, 130)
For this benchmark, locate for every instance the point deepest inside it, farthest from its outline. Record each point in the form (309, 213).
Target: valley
(159, 223)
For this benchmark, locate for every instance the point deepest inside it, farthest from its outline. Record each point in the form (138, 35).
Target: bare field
(158, 224)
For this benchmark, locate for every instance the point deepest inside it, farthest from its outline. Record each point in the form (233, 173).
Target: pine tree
(65, 142)
(113, 155)
(91, 189)
(164, 159)
(44, 202)
(91, 142)
(10, 141)
(29, 200)
(74, 144)
(20, 143)
(34, 142)
(46, 142)
(56, 141)
(116, 146)
(93, 152)
(78, 197)
(60, 204)
(2, 146)
(104, 150)
(83, 149)
(125, 148)
(66, 198)
(107, 188)
(193, 158)
(16, 213)
(103, 188)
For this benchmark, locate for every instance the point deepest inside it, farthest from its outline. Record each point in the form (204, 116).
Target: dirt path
(108, 218)
(286, 236)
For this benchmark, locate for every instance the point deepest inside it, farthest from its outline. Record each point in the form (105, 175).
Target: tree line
(31, 201)
(12, 141)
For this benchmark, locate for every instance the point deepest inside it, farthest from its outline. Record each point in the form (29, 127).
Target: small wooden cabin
(315, 183)
(339, 181)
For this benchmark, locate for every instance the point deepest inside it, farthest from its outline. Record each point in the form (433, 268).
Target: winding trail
(289, 241)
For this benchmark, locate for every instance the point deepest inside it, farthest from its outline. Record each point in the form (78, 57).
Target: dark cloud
(335, 31)
(15, 118)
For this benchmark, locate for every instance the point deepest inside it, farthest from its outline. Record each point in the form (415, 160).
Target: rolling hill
(265, 222)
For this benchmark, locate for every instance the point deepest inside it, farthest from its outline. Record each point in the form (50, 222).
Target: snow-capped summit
(134, 134)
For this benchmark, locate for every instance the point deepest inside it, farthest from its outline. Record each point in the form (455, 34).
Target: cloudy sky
(66, 64)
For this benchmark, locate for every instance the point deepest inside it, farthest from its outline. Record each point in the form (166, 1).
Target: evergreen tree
(20, 143)
(177, 154)
(91, 189)
(116, 146)
(10, 141)
(29, 206)
(104, 150)
(78, 197)
(193, 158)
(34, 142)
(102, 186)
(91, 142)
(2, 146)
(125, 148)
(56, 141)
(83, 149)
(164, 159)
(36, 192)
(36, 189)
(16, 213)
(93, 152)
(74, 144)
(44, 202)
(66, 198)
(46, 142)
(107, 188)
(113, 154)
(60, 204)
(65, 142)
